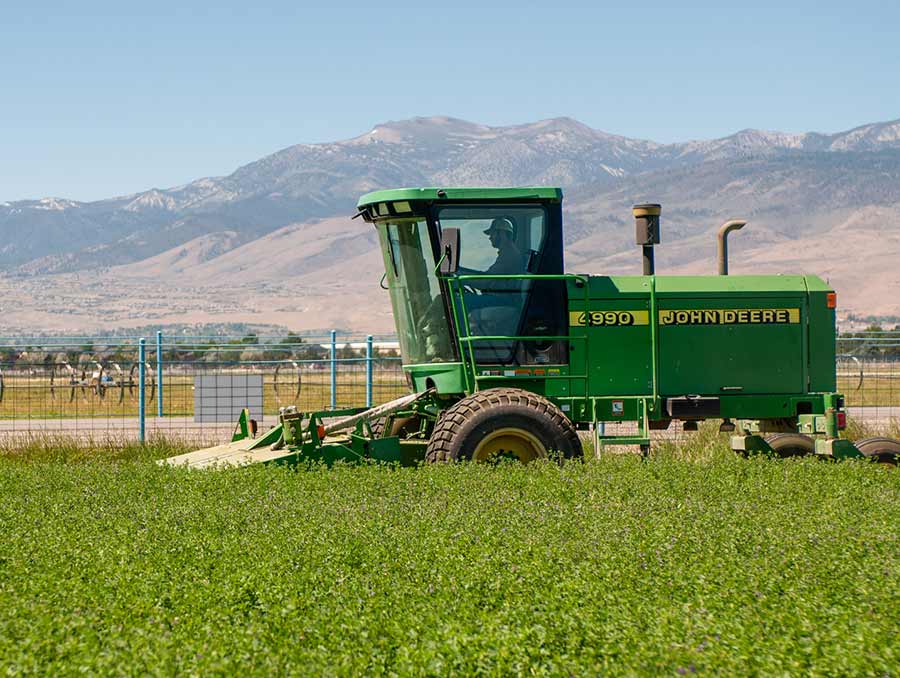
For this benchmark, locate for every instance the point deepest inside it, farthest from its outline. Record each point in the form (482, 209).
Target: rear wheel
(503, 422)
(882, 450)
(791, 444)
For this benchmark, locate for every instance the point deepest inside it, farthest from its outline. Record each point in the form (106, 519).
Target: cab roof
(435, 194)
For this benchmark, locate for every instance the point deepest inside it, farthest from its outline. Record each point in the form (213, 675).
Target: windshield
(415, 292)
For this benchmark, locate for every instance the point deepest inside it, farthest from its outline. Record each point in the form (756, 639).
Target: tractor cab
(494, 242)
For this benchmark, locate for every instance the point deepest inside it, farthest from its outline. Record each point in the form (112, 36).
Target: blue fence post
(333, 370)
(159, 374)
(142, 365)
(369, 371)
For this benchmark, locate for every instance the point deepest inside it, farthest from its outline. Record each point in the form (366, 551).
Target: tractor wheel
(882, 450)
(283, 388)
(402, 427)
(502, 422)
(791, 444)
(377, 426)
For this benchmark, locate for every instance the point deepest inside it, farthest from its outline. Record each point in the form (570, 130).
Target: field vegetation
(694, 561)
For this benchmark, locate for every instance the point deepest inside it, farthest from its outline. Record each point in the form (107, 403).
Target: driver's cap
(500, 224)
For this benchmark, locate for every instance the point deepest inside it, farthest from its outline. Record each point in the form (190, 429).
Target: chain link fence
(868, 369)
(189, 387)
(193, 387)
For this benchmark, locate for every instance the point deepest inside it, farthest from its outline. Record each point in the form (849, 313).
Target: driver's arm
(480, 284)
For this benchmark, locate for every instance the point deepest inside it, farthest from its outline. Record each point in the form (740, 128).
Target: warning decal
(736, 316)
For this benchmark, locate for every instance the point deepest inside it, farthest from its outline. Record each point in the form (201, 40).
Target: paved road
(103, 428)
(875, 416)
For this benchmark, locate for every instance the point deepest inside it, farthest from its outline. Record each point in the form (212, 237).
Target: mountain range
(273, 241)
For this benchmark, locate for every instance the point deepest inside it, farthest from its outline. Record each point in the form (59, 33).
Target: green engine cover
(714, 335)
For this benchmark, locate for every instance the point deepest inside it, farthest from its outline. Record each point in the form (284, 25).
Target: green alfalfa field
(694, 561)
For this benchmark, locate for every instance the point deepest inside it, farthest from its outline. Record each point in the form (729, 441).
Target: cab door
(502, 240)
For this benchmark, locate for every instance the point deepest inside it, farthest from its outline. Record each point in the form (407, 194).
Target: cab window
(497, 240)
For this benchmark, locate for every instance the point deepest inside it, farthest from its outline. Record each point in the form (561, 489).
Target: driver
(509, 261)
(509, 257)
(495, 305)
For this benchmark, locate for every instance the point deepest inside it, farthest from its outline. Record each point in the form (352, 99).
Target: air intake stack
(646, 232)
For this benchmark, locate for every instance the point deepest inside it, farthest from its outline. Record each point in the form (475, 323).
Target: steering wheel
(428, 314)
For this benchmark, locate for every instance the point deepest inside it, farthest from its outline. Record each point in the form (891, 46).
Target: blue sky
(100, 99)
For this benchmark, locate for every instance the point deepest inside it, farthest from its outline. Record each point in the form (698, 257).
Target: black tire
(882, 450)
(134, 381)
(791, 444)
(515, 422)
(286, 386)
(150, 384)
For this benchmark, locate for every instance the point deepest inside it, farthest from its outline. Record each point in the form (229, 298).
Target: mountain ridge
(792, 187)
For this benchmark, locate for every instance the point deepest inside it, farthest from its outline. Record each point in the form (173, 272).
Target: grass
(858, 430)
(695, 561)
(66, 449)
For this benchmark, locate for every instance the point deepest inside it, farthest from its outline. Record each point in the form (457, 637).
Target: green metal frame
(242, 428)
(466, 339)
(545, 193)
(304, 443)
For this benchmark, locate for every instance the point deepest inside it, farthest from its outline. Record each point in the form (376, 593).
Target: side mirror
(449, 251)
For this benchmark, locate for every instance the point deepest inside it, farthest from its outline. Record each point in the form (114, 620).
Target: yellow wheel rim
(512, 442)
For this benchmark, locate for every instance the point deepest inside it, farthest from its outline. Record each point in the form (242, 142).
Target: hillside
(273, 242)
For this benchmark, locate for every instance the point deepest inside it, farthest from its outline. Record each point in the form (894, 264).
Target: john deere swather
(508, 356)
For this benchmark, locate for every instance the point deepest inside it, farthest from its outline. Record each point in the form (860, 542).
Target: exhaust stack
(724, 230)
(646, 232)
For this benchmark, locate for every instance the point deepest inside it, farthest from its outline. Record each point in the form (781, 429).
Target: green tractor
(506, 355)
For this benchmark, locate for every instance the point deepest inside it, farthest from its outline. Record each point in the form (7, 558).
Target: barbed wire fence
(194, 387)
